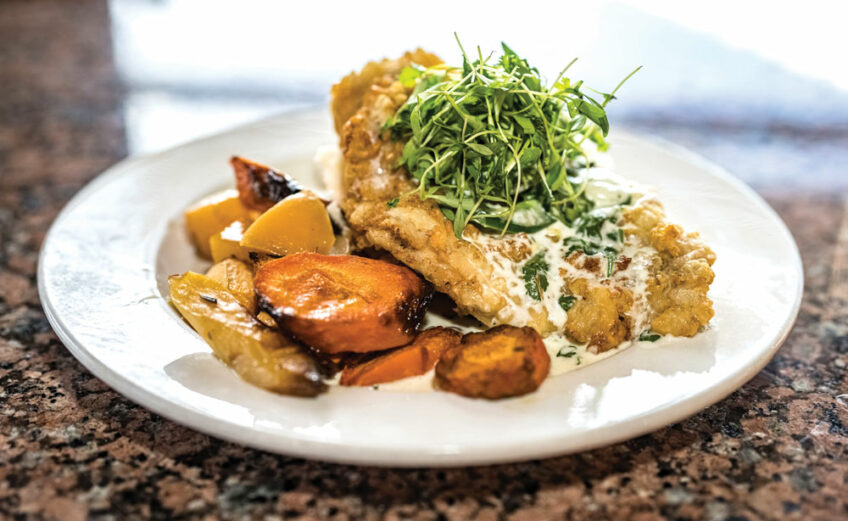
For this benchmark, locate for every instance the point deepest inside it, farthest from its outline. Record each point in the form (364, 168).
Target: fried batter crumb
(417, 234)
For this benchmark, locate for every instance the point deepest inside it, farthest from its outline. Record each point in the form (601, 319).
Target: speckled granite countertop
(70, 448)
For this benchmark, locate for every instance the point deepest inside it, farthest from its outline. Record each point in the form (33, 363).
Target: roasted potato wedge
(338, 303)
(415, 359)
(237, 278)
(297, 223)
(502, 362)
(261, 187)
(211, 215)
(261, 356)
(226, 243)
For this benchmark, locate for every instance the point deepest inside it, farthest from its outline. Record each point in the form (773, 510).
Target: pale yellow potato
(226, 243)
(298, 223)
(237, 277)
(261, 356)
(211, 215)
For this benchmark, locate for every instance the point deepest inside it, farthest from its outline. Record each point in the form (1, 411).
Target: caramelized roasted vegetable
(297, 223)
(501, 362)
(226, 243)
(260, 355)
(259, 186)
(237, 278)
(266, 319)
(340, 303)
(259, 259)
(415, 359)
(211, 215)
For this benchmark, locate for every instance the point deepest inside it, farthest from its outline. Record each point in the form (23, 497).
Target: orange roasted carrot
(338, 303)
(415, 359)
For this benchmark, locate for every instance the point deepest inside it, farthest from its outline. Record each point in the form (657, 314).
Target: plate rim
(329, 450)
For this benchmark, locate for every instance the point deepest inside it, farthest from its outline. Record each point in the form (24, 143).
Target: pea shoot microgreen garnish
(494, 146)
(649, 336)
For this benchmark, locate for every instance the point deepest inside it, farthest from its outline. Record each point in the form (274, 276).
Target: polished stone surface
(70, 448)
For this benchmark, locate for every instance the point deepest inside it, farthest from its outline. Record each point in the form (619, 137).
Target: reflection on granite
(70, 448)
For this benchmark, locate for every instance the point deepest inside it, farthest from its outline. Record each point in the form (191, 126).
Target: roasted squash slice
(337, 303)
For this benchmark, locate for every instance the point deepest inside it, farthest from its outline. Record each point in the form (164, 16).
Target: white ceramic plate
(102, 280)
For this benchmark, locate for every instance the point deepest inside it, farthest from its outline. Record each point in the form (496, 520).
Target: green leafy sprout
(567, 351)
(649, 336)
(566, 302)
(494, 146)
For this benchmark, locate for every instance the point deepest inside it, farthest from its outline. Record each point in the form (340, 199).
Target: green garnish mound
(494, 146)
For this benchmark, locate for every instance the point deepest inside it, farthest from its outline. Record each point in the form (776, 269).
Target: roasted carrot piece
(502, 362)
(260, 187)
(415, 359)
(338, 303)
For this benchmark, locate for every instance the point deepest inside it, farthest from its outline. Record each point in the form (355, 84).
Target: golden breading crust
(680, 275)
(600, 317)
(417, 234)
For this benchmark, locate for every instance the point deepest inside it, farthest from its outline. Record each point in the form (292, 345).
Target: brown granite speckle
(70, 448)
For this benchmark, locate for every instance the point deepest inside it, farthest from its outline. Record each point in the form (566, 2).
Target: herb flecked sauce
(550, 247)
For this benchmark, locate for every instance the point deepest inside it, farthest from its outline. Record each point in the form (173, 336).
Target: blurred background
(761, 87)
(753, 79)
